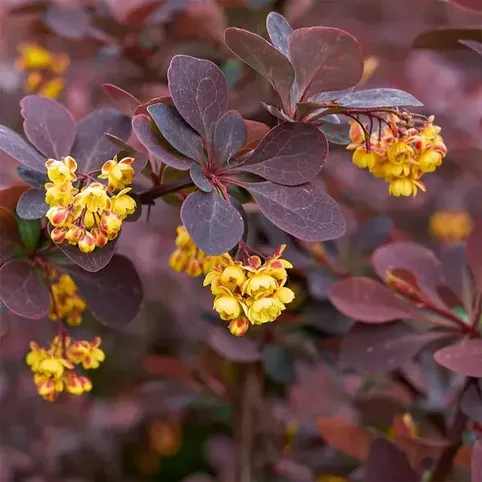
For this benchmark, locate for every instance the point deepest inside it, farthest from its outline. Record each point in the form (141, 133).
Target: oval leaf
(214, 225)
(199, 179)
(371, 234)
(32, 205)
(237, 349)
(91, 147)
(474, 254)
(303, 211)
(30, 230)
(153, 143)
(255, 131)
(68, 21)
(199, 91)
(125, 102)
(34, 178)
(10, 242)
(262, 57)
(278, 30)
(463, 357)
(48, 125)
(367, 300)
(324, 58)
(229, 137)
(290, 154)
(15, 146)
(372, 98)
(22, 290)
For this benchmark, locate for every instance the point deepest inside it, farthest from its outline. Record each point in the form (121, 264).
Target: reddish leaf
(32, 205)
(15, 146)
(324, 59)
(477, 461)
(132, 12)
(214, 225)
(91, 147)
(372, 98)
(462, 357)
(22, 290)
(152, 142)
(238, 349)
(446, 38)
(68, 21)
(125, 102)
(383, 348)
(199, 91)
(48, 125)
(290, 154)
(367, 300)
(10, 241)
(474, 254)
(473, 5)
(255, 131)
(9, 197)
(229, 137)
(262, 57)
(304, 211)
(278, 30)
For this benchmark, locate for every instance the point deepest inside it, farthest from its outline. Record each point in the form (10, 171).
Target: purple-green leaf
(176, 131)
(91, 147)
(125, 102)
(278, 30)
(199, 179)
(48, 125)
(290, 154)
(22, 290)
(10, 242)
(153, 143)
(463, 357)
(324, 58)
(305, 211)
(32, 205)
(15, 146)
(214, 225)
(372, 98)
(229, 137)
(199, 91)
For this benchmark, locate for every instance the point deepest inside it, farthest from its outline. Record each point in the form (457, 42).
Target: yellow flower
(36, 356)
(264, 310)
(183, 240)
(110, 222)
(178, 260)
(119, 174)
(400, 153)
(194, 267)
(94, 197)
(34, 57)
(357, 134)
(32, 82)
(364, 159)
(77, 385)
(122, 204)
(63, 171)
(87, 242)
(285, 295)
(451, 226)
(67, 303)
(88, 354)
(260, 284)
(59, 195)
(52, 88)
(54, 366)
(227, 306)
(233, 276)
(405, 187)
(239, 326)
(429, 160)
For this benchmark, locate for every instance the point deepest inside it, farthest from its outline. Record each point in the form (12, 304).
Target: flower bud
(73, 234)
(101, 237)
(110, 222)
(58, 216)
(58, 234)
(239, 326)
(87, 242)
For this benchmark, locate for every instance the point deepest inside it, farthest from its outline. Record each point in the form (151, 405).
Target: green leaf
(30, 230)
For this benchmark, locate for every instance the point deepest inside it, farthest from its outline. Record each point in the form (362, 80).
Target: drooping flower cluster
(188, 258)
(45, 69)
(67, 304)
(93, 215)
(399, 152)
(251, 292)
(54, 367)
(451, 227)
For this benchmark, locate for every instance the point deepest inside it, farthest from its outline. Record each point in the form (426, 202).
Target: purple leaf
(290, 154)
(176, 131)
(237, 349)
(48, 125)
(69, 22)
(278, 30)
(472, 44)
(324, 58)
(113, 294)
(229, 137)
(383, 348)
(463, 357)
(367, 300)
(262, 57)
(372, 98)
(471, 402)
(10, 242)
(214, 225)
(152, 142)
(387, 463)
(125, 102)
(371, 234)
(91, 147)
(199, 91)
(22, 290)
(199, 179)
(32, 205)
(15, 146)
(476, 465)
(474, 254)
(303, 211)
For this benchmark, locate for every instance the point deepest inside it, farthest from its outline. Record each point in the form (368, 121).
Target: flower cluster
(93, 215)
(188, 258)
(399, 152)
(54, 367)
(251, 292)
(66, 303)
(44, 68)
(450, 227)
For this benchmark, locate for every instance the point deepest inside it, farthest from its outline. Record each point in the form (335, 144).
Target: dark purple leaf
(153, 143)
(278, 30)
(262, 57)
(176, 131)
(237, 349)
(474, 254)
(446, 38)
(48, 125)
(34, 178)
(91, 147)
(278, 364)
(367, 300)
(336, 133)
(277, 113)
(214, 225)
(303, 211)
(113, 294)
(471, 402)
(15, 146)
(372, 98)
(125, 102)
(457, 274)
(463, 357)
(199, 91)
(475, 46)
(22, 290)
(10, 242)
(290, 154)
(387, 463)
(383, 348)
(199, 179)
(229, 137)
(132, 218)
(324, 58)
(69, 22)
(32, 205)
(476, 465)
(371, 234)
